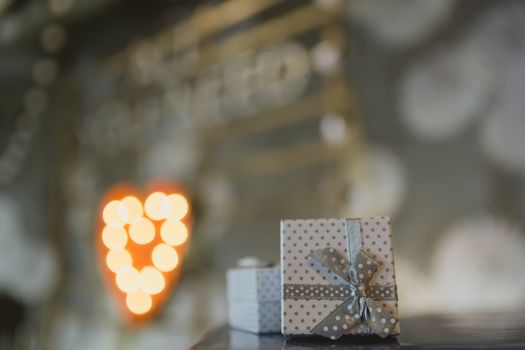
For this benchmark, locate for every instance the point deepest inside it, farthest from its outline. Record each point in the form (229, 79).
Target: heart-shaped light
(141, 240)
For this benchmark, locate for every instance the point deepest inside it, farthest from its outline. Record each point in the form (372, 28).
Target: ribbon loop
(332, 260)
(362, 271)
(359, 312)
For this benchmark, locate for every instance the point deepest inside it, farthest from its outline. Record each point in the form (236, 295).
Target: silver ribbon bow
(360, 311)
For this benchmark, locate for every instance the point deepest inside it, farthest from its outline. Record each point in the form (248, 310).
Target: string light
(52, 37)
(178, 206)
(44, 72)
(130, 209)
(129, 230)
(333, 129)
(151, 280)
(127, 279)
(326, 57)
(111, 214)
(174, 232)
(164, 257)
(156, 206)
(118, 258)
(138, 302)
(114, 237)
(142, 231)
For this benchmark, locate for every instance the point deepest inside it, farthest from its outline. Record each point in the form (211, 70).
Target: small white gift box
(254, 302)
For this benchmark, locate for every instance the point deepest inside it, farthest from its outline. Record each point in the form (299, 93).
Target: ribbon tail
(379, 320)
(341, 321)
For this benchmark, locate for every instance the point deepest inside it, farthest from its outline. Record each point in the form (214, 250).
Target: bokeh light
(151, 280)
(52, 37)
(110, 214)
(118, 258)
(127, 279)
(145, 238)
(114, 237)
(142, 231)
(178, 206)
(156, 206)
(130, 209)
(138, 302)
(164, 257)
(174, 232)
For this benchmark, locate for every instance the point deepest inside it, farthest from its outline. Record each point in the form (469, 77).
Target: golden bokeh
(114, 237)
(110, 214)
(130, 219)
(117, 259)
(156, 206)
(130, 209)
(178, 206)
(174, 232)
(127, 279)
(164, 257)
(151, 280)
(138, 302)
(142, 231)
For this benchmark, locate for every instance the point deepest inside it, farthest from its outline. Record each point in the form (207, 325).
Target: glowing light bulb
(138, 302)
(117, 259)
(127, 279)
(110, 214)
(114, 237)
(142, 231)
(155, 206)
(174, 232)
(130, 209)
(164, 257)
(151, 280)
(178, 206)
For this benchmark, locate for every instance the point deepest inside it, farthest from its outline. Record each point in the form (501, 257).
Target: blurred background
(259, 110)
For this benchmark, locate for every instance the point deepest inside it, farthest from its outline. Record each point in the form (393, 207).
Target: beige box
(337, 277)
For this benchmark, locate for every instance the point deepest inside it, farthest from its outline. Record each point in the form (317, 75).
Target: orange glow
(142, 238)
(174, 232)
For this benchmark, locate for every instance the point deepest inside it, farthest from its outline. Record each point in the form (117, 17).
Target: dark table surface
(488, 331)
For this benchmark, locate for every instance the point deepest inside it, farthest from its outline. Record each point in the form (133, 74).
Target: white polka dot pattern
(300, 237)
(254, 284)
(254, 299)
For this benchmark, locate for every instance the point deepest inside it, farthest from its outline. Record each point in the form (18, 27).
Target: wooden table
(488, 331)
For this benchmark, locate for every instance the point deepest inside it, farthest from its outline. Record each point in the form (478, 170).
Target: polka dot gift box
(337, 278)
(254, 299)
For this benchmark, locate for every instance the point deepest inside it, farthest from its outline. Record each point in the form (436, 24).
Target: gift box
(337, 277)
(254, 299)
